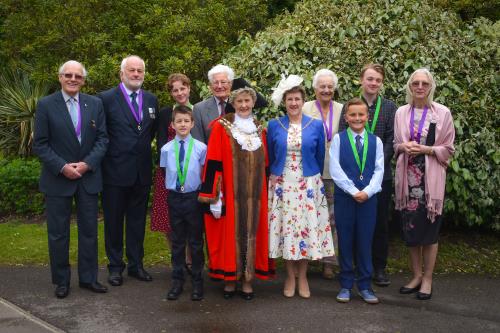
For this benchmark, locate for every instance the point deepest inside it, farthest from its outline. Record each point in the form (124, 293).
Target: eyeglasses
(424, 84)
(222, 83)
(69, 76)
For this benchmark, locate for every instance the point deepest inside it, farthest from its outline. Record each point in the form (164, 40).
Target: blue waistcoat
(348, 162)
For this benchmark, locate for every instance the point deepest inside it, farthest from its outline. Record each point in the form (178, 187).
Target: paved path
(461, 303)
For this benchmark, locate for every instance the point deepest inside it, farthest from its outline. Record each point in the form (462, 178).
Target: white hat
(283, 86)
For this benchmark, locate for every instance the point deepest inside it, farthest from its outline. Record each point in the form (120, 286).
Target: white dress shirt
(341, 179)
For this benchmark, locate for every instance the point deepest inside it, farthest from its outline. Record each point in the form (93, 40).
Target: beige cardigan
(310, 109)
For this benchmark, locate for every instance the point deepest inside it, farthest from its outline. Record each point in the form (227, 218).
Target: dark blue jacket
(129, 152)
(55, 143)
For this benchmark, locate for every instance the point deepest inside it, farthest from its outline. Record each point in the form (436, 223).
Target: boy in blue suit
(183, 159)
(357, 168)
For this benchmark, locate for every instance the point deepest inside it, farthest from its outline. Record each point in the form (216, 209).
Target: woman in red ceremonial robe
(234, 183)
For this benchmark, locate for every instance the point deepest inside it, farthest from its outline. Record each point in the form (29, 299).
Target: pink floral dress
(299, 226)
(416, 227)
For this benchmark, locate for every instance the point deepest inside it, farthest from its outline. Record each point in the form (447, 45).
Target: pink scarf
(435, 165)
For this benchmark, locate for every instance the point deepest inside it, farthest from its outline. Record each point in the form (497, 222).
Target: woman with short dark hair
(299, 227)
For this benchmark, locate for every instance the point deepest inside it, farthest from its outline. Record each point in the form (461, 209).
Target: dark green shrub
(19, 187)
(402, 35)
(188, 36)
(470, 9)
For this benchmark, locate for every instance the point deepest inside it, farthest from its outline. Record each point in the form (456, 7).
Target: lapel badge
(152, 114)
(92, 123)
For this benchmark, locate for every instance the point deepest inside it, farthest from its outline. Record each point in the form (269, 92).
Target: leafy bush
(403, 35)
(469, 9)
(19, 187)
(18, 98)
(188, 36)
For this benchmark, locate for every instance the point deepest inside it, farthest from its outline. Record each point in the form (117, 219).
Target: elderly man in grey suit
(70, 139)
(221, 79)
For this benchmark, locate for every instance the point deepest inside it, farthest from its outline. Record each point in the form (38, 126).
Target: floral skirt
(299, 224)
(416, 228)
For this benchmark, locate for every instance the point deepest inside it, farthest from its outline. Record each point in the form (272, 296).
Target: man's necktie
(181, 163)
(134, 103)
(73, 112)
(222, 106)
(359, 147)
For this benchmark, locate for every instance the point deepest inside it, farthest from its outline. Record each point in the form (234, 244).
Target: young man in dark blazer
(131, 115)
(380, 123)
(70, 139)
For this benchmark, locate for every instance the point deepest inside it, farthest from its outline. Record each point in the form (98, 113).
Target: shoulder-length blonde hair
(430, 96)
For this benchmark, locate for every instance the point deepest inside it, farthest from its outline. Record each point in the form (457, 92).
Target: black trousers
(125, 206)
(58, 210)
(380, 244)
(186, 220)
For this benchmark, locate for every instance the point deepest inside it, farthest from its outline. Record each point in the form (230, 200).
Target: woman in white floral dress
(299, 227)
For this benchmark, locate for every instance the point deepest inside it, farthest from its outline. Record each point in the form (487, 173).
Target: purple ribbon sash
(78, 128)
(328, 130)
(420, 124)
(138, 115)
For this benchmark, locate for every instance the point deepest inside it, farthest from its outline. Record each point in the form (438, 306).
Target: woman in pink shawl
(423, 143)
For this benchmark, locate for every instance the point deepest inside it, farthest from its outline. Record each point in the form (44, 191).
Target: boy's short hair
(182, 109)
(355, 101)
(376, 67)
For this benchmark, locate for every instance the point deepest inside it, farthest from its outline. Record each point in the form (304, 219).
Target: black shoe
(115, 279)
(405, 290)
(62, 291)
(197, 294)
(141, 274)
(174, 292)
(247, 296)
(228, 294)
(94, 286)
(381, 279)
(423, 296)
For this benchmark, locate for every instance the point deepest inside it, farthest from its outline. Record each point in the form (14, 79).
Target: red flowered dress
(299, 225)
(159, 214)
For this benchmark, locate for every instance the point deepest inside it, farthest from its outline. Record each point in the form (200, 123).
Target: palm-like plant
(18, 98)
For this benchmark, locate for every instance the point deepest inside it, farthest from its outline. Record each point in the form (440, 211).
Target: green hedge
(402, 35)
(19, 187)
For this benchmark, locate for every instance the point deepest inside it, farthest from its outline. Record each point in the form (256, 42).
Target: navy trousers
(186, 220)
(58, 210)
(355, 224)
(125, 206)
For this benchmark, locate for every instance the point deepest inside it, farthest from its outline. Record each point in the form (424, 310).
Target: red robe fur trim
(223, 237)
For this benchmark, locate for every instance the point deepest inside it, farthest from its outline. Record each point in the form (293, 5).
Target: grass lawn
(24, 243)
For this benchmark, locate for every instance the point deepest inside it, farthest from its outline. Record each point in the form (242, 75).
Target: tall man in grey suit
(70, 139)
(131, 115)
(221, 79)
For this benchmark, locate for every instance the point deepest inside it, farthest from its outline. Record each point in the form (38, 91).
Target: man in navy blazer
(70, 139)
(131, 115)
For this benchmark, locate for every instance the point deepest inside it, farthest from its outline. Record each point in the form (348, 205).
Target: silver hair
(245, 90)
(325, 72)
(72, 62)
(221, 69)
(430, 96)
(124, 62)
